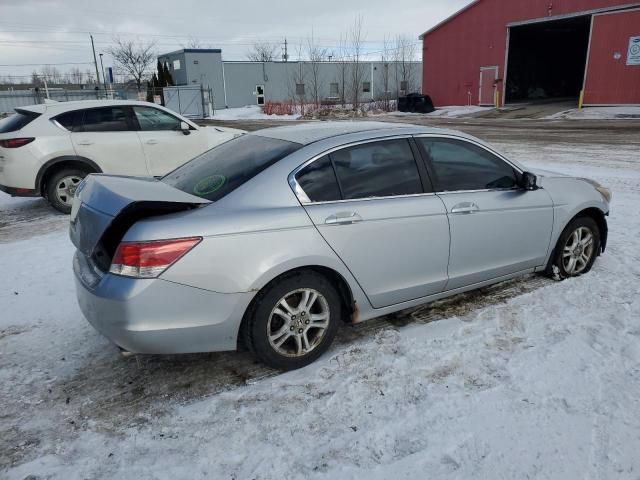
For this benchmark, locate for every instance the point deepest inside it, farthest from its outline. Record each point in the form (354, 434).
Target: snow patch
(598, 113)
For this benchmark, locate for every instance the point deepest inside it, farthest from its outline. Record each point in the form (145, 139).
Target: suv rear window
(224, 168)
(18, 120)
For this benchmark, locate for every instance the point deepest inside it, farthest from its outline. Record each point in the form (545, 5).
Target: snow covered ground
(598, 113)
(530, 379)
(445, 112)
(250, 112)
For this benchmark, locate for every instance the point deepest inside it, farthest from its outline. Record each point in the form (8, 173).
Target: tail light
(16, 142)
(149, 259)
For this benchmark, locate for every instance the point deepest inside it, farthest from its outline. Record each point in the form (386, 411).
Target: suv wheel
(293, 321)
(61, 187)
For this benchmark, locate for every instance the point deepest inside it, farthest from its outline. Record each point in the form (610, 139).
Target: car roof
(58, 107)
(308, 133)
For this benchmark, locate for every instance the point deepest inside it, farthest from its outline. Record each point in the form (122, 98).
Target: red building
(508, 51)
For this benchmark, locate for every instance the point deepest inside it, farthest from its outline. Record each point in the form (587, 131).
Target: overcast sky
(57, 31)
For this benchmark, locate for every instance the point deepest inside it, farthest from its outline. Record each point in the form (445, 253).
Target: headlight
(604, 191)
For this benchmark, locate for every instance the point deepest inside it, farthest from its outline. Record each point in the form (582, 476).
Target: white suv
(46, 150)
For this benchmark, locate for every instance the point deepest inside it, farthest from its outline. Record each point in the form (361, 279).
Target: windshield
(224, 168)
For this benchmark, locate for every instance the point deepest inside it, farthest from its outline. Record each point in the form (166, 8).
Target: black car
(415, 102)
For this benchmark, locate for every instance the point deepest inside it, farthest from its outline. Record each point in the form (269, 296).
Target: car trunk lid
(106, 206)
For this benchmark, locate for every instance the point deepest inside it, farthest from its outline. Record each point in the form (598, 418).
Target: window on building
(299, 88)
(196, 62)
(176, 64)
(460, 165)
(377, 169)
(366, 87)
(334, 90)
(404, 85)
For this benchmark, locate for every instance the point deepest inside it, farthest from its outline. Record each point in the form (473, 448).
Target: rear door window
(224, 168)
(107, 119)
(71, 121)
(17, 121)
(377, 169)
(319, 182)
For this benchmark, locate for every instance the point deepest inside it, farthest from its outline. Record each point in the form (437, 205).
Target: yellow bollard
(581, 100)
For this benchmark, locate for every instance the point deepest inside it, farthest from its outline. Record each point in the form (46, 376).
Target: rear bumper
(157, 316)
(20, 192)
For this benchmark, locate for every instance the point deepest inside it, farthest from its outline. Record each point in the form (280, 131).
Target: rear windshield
(224, 168)
(15, 122)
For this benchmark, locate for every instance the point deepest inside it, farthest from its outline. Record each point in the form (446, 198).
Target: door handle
(85, 142)
(152, 142)
(465, 207)
(344, 218)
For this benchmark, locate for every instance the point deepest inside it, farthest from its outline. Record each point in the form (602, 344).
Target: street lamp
(104, 79)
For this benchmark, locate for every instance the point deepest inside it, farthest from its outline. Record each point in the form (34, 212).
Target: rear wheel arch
(350, 310)
(56, 164)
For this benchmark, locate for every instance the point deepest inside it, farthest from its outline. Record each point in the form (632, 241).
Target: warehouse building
(506, 51)
(240, 83)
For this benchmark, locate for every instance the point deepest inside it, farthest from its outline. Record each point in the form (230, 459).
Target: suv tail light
(16, 142)
(149, 259)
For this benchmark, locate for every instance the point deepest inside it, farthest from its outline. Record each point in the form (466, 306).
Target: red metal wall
(453, 53)
(611, 81)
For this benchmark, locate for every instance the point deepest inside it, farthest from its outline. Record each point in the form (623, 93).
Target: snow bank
(445, 112)
(599, 113)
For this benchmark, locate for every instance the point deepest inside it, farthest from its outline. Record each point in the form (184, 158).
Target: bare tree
(316, 55)
(405, 56)
(387, 56)
(262, 52)
(356, 40)
(90, 76)
(297, 84)
(51, 74)
(133, 57)
(75, 75)
(194, 42)
(343, 70)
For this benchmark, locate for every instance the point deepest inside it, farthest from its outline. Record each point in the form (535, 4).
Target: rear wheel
(293, 321)
(576, 250)
(61, 187)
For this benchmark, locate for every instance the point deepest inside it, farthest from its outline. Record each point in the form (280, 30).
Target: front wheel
(576, 250)
(61, 187)
(293, 321)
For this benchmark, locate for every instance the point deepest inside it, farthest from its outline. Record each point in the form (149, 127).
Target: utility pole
(95, 61)
(104, 78)
(285, 57)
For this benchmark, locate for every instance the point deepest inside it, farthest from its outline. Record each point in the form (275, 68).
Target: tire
(60, 188)
(276, 334)
(571, 259)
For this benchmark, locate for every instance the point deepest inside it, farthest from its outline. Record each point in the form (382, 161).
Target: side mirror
(184, 128)
(529, 181)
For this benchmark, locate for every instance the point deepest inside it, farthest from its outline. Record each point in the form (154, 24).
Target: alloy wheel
(66, 189)
(578, 251)
(298, 322)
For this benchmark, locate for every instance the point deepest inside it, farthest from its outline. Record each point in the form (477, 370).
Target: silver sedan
(274, 239)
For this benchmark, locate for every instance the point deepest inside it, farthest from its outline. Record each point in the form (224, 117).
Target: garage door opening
(547, 60)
